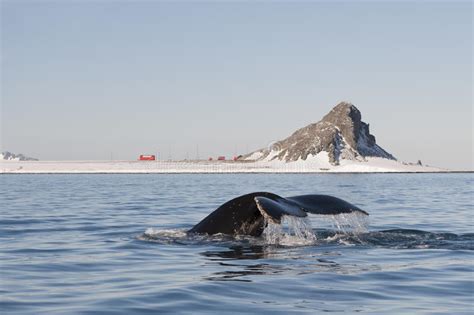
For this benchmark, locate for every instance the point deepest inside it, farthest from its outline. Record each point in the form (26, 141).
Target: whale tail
(247, 214)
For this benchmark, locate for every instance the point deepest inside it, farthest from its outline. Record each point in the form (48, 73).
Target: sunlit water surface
(87, 244)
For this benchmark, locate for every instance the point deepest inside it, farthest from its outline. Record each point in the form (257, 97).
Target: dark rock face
(341, 133)
(348, 119)
(11, 156)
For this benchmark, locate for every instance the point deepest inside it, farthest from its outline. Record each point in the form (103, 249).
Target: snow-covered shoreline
(339, 143)
(372, 165)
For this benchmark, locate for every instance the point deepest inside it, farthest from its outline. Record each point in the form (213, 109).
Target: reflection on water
(239, 252)
(243, 272)
(239, 263)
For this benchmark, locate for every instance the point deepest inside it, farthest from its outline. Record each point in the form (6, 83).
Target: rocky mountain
(15, 157)
(341, 133)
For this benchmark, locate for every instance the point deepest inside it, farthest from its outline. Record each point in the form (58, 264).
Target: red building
(221, 158)
(147, 158)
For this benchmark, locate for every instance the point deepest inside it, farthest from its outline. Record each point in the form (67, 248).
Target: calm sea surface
(88, 244)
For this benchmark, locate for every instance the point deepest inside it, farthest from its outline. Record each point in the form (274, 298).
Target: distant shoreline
(236, 173)
(371, 166)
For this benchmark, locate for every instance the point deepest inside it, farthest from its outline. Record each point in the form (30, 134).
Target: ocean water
(90, 244)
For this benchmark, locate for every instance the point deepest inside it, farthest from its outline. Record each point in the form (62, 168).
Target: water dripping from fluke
(297, 231)
(292, 231)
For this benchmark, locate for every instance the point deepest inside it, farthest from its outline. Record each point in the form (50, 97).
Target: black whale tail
(246, 214)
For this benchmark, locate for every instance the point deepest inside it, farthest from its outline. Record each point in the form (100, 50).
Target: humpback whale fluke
(247, 214)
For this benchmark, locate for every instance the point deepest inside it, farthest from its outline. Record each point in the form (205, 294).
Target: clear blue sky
(84, 79)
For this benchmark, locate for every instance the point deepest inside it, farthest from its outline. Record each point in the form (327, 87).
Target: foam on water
(151, 232)
(182, 237)
(167, 236)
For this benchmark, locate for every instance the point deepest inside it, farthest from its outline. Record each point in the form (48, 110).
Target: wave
(277, 235)
(346, 230)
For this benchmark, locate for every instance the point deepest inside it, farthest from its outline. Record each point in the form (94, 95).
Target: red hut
(147, 157)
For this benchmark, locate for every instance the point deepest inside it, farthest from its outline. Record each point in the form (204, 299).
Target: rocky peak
(341, 133)
(347, 118)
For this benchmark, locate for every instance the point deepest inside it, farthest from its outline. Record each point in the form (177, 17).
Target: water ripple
(108, 244)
